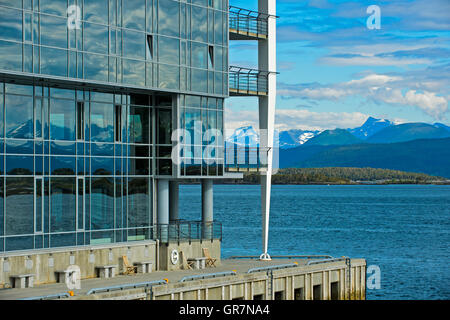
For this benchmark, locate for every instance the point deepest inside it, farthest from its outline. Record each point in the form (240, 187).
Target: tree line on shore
(341, 175)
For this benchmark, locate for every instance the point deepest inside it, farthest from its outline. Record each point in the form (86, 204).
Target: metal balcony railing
(187, 231)
(245, 159)
(250, 82)
(247, 24)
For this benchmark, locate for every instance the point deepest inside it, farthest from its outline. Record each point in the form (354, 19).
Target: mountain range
(378, 143)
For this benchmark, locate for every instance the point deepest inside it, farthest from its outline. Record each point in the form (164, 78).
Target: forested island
(339, 175)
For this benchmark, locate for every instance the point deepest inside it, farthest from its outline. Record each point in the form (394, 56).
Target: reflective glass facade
(76, 166)
(160, 44)
(202, 153)
(87, 113)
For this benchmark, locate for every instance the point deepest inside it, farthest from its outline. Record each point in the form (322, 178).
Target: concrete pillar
(207, 200)
(207, 207)
(267, 62)
(173, 201)
(163, 209)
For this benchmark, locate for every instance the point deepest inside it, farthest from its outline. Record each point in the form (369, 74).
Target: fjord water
(403, 229)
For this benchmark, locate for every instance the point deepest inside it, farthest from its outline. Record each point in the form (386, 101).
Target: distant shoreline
(226, 182)
(336, 176)
(335, 184)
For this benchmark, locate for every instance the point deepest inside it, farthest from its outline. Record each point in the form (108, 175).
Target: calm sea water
(404, 229)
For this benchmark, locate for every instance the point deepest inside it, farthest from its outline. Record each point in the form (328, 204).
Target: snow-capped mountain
(285, 139)
(244, 136)
(370, 127)
(295, 137)
(372, 131)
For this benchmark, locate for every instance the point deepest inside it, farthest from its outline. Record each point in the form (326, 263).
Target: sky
(335, 72)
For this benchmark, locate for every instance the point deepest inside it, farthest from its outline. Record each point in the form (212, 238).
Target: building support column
(163, 209)
(207, 208)
(173, 201)
(267, 61)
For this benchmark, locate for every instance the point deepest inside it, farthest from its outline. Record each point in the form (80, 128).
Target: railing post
(189, 232)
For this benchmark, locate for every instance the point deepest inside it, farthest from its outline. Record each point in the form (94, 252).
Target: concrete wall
(287, 284)
(191, 250)
(44, 263)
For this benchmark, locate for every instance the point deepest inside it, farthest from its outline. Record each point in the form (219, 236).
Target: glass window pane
(169, 76)
(199, 55)
(118, 198)
(53, 31)
(19, 206)
(19, 116)
(11, 24)
(169, 18)
(96, 11)
(164, 126)
(102, 122)
(19, 146)
(102, 149)
(199, 30)
(138, 202)
(95, 38)
(102, 166)
(139, 125)
(57, 7)
(138, 166)
(38, 205)
(11, 56)
(192, 101)
(102, 97)
(218, 81)
(19, 165)
(19, 243)
(19, 89)
(62, 93)
(38, 117)
(63, 166)
(12, 3)
(63, 204)
(169, 50)
(102, 203)
(134, 44)
(53, 61)
(63, 240)
(218, 58)
(218, 27)
(199, 80)
(95, 67)
(62, 119)
(62, 148)
(134, 72)
(133, 13)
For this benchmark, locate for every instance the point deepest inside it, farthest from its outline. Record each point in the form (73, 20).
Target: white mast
(267, 61)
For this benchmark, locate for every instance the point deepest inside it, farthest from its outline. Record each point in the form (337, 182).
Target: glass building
(91, 92)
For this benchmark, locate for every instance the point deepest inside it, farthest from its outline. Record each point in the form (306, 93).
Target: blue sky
(336, 72)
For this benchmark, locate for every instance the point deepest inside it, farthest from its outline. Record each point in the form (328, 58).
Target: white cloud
(286, 119)
(371, 60)
(373, 80)
(393, 90)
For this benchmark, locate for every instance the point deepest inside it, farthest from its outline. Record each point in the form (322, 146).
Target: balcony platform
(248, 82)
(243, 92)
(247, 24)
(236, 34)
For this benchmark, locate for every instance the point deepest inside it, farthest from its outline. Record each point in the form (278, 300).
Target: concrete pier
(298, 278)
